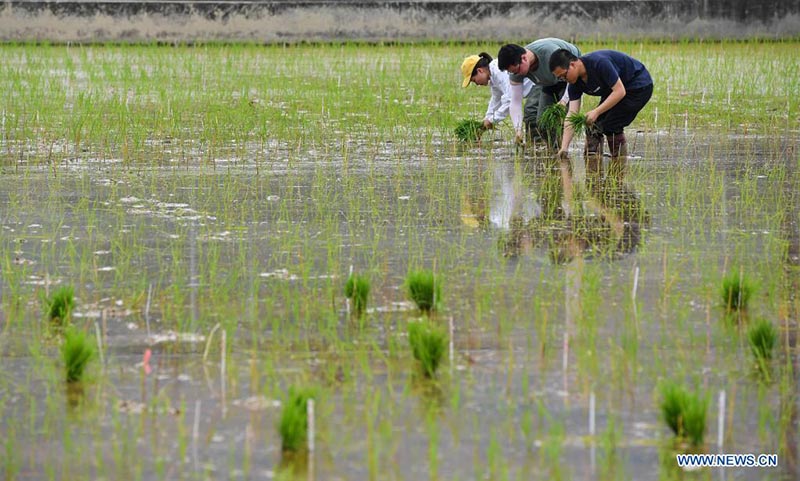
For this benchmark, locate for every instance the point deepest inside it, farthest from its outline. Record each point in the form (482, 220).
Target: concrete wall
(401, 20)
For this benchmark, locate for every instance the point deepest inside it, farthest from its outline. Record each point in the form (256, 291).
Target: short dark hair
(509, 54)
(561, 58)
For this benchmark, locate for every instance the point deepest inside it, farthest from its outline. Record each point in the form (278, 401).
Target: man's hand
(487, 124)
(591, 117)
(519, 138)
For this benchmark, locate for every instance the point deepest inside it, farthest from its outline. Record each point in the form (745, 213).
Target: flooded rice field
(207, 205)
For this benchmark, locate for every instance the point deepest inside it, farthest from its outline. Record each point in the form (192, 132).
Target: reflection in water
(511, 204)
(546, 205)
(75, 396)
(789, 455)
(543, 205)
(296, 466)
(573, 307)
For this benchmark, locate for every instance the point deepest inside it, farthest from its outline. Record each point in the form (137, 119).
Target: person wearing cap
(533, 62)
(482, 70)
(624, 86)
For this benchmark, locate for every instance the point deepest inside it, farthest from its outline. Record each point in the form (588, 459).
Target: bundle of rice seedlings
(357, 289)
(762, 336)
(552, 119)
(428, 345)
(469, 130)
(293, 426)
(60, 304)
(76, 352)
(736, 291)
(424, 289)
(684, 412)
(578, 122)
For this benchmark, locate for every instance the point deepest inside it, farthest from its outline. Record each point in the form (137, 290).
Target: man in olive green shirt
(533, 62)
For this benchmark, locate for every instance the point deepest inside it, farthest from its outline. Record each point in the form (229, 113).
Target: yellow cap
(467, 67)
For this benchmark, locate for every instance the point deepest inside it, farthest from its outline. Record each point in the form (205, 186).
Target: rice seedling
(469, 130)
(684, 412)
(428, 345)
(357, 290)
(736, 291)
(762, 337)
(60, 304)
(424, 289)
(578, 122)
(293, 427)
(552, 119)
(242, 218)
(76, 352)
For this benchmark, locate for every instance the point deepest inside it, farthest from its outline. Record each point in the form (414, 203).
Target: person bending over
(624, 86)
(482, 70)
(533, 62)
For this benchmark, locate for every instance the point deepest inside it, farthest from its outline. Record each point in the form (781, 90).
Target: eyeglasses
(563, 76)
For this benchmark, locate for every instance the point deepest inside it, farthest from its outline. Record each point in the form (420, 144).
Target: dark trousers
(537, 102)
(622, 115)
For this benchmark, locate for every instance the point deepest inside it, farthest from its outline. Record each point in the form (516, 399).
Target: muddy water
(539, 260)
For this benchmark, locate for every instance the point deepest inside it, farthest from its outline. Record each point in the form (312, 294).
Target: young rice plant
(60, 304)
(552, 119)
(357, 290)
(736, 291)
(293, 425)
(76, 352)
(762, 336)
(424, 289)
(684, 412)
(469, 130)
(578, 122)
(428, 345)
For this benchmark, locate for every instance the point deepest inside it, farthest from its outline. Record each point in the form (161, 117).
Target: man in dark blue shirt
(624, 86)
